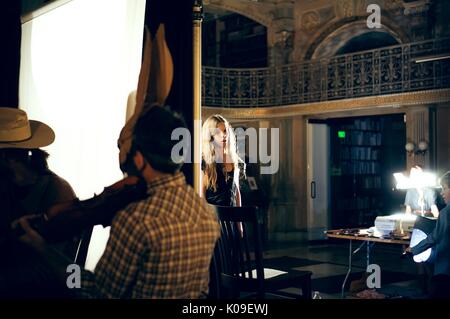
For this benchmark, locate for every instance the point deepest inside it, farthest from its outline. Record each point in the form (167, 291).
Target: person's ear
(139, 160)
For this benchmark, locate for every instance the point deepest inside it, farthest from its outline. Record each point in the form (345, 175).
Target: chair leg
(307, 289)
(261, 294)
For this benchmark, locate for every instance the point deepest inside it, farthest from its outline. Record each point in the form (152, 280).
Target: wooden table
(369, 241)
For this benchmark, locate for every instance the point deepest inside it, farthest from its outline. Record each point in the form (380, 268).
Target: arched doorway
(232, 40)
(367, 41)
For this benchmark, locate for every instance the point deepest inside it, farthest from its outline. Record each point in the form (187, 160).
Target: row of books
(370, 182)
(362, 138)
(368, 217)
(365, 124)
(356, 168)
(345, 204)
(364, 181)
(359, 153)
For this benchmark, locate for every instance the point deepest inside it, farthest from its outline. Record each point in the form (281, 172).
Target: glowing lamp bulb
(409, 147)
(423, 146)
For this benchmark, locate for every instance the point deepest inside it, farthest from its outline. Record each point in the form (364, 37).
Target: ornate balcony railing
(376, 72)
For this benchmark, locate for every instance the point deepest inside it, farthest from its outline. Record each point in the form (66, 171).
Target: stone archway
(367, 41)
(335, 36)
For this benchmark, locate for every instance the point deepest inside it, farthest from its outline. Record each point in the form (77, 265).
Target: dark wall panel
(10, 34)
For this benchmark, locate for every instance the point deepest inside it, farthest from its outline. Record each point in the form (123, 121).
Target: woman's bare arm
(238, 196)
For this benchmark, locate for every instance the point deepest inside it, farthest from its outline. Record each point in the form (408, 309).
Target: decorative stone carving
(326, 14)
(393, 4)
(344, 8)
(416, 7)
(361, 7)
(310, 20)
(282, 50)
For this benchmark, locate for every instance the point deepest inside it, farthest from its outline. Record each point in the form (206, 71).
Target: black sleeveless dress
(225, 194)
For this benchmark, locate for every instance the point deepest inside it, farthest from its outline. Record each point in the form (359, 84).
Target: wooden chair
(238, 260)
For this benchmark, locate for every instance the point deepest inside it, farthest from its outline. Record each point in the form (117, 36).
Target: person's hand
(31, 236)
(406, 252)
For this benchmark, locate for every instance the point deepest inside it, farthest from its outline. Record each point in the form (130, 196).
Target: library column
(417, 130)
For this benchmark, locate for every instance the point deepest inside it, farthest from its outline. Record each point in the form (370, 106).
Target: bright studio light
(416, 180)
(402, 216)
(79, 61)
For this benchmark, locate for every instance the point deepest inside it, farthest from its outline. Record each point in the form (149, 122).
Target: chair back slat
(246, 252)
(240, 244)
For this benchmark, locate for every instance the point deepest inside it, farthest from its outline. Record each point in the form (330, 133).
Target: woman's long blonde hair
(208, 151)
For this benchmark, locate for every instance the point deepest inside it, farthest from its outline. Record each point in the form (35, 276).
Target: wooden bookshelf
(363, 157)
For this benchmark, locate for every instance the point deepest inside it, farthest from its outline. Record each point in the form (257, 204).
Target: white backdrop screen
(79, 61)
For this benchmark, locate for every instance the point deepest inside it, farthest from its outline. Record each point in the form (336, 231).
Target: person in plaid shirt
(161, 246)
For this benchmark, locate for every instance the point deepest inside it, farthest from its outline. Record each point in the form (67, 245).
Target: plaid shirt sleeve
(117, 269)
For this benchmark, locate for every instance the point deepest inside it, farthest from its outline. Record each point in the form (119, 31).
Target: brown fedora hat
(16, 131)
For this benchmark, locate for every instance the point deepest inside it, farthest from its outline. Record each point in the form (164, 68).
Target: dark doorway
(364, 154)
(368, 41)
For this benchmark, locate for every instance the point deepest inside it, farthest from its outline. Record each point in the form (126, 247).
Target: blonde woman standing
(221, 164)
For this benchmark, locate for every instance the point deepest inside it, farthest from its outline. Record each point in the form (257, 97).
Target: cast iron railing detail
(376, 72)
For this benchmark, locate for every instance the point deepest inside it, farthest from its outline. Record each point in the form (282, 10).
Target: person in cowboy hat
(28, 186)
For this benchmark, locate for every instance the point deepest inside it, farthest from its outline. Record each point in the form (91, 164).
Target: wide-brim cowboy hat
(17, 131)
